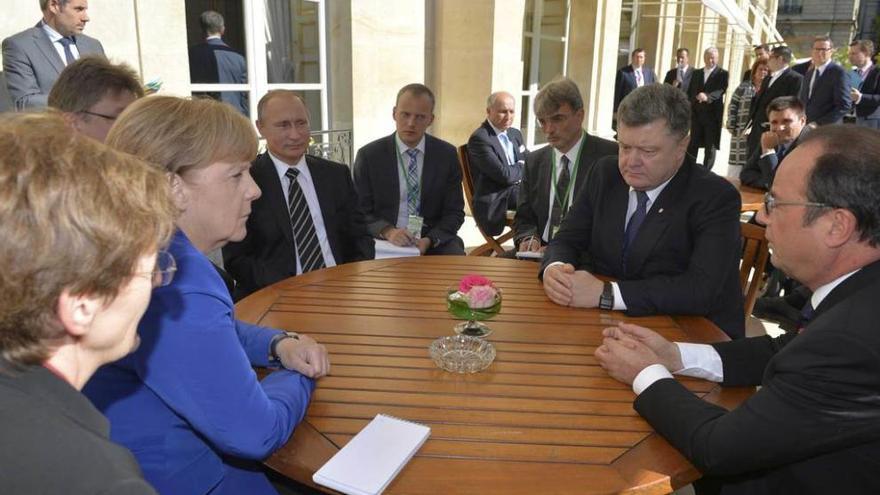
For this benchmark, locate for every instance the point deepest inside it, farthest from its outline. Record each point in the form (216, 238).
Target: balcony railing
(333, 144)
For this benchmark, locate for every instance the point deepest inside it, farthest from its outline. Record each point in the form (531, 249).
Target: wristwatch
(606, 300)
(273, 345)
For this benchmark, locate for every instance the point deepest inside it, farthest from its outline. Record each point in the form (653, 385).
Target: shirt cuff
(648, 376)
(768, 153)
(548, 266)
(700, 361)
(619, 303)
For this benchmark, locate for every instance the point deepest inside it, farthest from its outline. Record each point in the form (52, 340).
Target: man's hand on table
(627, 349)
(398, 237)
(424, 244)
(305, 356)
(569, 287)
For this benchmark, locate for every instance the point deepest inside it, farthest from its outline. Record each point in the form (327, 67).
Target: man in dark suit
(307, 217)
(814, 425)
(826, 88)
(706, 94)
(787, 128)
(866, 94)
(33, 58)
(409, 183)
(213, 61)
(782, 81)
(680, 75)
(635, 75)
(803, 67)
(496, 154)
(555, 174)
(666, 229)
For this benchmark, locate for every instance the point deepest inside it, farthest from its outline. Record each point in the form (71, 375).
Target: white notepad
(370, 460)
(385, 249)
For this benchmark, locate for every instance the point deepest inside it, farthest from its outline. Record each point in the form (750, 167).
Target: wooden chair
(493, 244)
(754, 260)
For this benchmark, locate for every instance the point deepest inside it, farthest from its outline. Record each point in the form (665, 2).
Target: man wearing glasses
(92, 92)
(663, 228)
(814, 425)
(555, 174)
(826, 88)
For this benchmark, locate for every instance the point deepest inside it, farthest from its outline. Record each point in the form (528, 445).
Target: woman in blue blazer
(187, 402)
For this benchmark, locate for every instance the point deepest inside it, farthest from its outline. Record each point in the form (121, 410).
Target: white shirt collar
(653, 193)
(774, 75)
(822, 67)
(572, 154)
(214, 37)
(281, 166)
(54, 36)
(497, 131)
(822, 292)
(402, 147)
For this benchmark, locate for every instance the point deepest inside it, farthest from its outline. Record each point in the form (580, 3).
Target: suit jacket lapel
(617, 202)
(429, 174)
(544, 178)
(496, 144)
(657, 221)
(864, 277)
(516, 140)
(44, 44)
(325, 192)
(265, 174)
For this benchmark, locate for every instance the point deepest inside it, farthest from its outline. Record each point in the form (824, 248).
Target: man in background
(865, 91)
(635, 75)
(706, 95)
(33, 58)
(496, 155)
(783, 81)
(680, 75)
(213, 61)
(826, 87)
(787, 128)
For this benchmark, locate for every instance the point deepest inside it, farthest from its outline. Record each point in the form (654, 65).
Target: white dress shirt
(403, 159)
(775, 75)
(572, 155)
(707, 71)
(304, 179)
(703, 361)
(54, 36)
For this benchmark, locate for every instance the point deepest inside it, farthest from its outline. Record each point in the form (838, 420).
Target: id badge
(553, 230)
(414, 225)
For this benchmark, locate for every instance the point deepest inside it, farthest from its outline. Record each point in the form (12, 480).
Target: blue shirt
(187, 398)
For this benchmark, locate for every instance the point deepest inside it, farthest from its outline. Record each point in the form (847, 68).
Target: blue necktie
(806, 316)
(66, 42)
(508, 149)
(635, 222)
(412, 182)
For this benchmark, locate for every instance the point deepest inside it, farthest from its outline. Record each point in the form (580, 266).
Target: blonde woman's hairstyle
(75, 215)
(180, 134)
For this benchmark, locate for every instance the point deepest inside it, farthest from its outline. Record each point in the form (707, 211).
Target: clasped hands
(304, 355)
(403, 237)
(627, 349)
(569, 287)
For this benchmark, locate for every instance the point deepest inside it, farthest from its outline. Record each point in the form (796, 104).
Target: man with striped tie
(33, 58)
(409, 183)
(307, 217)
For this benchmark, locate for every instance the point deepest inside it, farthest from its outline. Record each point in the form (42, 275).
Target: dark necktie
(806, 316)
(557, 213)
(307, 247)
(635, 222)
(66, 42)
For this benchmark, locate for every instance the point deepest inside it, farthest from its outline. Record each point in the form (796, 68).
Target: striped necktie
(304, 236)
(412, 182)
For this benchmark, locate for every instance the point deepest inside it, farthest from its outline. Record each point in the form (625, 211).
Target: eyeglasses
(103, 116)
(163, 273)
(822, 49)
(770, 203)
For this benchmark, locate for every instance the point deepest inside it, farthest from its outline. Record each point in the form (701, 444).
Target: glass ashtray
(462, 353)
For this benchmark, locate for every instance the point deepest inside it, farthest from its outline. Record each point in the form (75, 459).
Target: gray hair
(211, 22)
(654, 102)
(710, 49)
(556, 93)
(847, 175)
(494, 97)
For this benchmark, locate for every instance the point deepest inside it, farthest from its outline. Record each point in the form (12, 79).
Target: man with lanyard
(409, 183)
(553, 175)
(663, 228)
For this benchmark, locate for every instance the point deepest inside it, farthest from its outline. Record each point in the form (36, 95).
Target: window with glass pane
(292, 42)
(216, 40)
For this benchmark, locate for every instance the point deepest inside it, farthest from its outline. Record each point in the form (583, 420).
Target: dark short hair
(847, 175)
(211, 22)
(682, 49)
(558, 92)
(864, 46)
(823, 39)
(782, 52)
(783, 103)
(416, 89)
(85, 81)
(654, 102)
(637, 50)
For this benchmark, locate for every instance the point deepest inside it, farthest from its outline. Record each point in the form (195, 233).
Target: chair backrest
(467, 181)
(754, 260)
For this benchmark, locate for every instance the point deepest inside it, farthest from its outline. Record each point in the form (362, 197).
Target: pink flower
(482, 296)
(473, 281)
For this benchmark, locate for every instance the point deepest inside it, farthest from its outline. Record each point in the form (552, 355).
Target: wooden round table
(544, 418)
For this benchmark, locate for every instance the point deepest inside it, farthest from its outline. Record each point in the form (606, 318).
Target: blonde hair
(75, 215)
(180, 134)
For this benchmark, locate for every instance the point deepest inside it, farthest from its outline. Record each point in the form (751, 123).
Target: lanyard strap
(563, 203)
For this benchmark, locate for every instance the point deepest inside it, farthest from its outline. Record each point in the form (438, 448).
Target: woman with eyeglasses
(80, 225)
(187, 402)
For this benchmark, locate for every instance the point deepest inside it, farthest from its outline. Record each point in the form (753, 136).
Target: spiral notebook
(370, 460)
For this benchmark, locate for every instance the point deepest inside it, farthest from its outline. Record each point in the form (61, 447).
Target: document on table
(530, 255)
(370, 460)
(385, 249)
